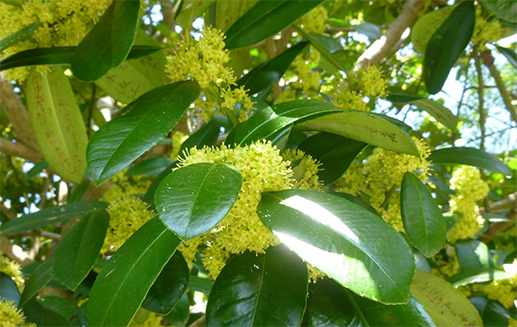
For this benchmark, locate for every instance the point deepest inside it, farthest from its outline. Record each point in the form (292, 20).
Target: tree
(270, 163)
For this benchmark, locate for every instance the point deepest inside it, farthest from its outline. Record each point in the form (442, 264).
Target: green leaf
(321, 48)
(446, 45)
(193, 199)
(141, 125)
(510, 55)
(180, 313)
(268, 73)
(267, 289)
(77, 194)
(59, 56)
(50, 216)
(264, 20)
(76, 253)
(38, 168)
(117, 29)
(493, 313)
(132, 78)
(332, 305)
(427, 25)
(17, 36)
(422, 218)
(200, 284)
(369, 29)
(59, 305)
(335, 153)
(469, 156)
(401, 97)
(357, 200)
(149, 167)
(439, 112)
(122, 284)
(8, 289)
(169, 287)
(37, 314)
(480, 275)
(57, 122)
(39, 278)
(472, 255)
(504, 9)
(328, 232)
(364, 127)
(206, 135)
(151, 191)
(444, 303)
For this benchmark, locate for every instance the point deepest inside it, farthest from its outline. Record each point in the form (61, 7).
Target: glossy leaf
(332, 305)
(149, 167)
(364, 127)
(180, 313)
(335, 153)
(57, 122)
(473, 254)
(427, 25)
(169, 287)
(37, 314)
(443, 302)
(493, 313)
(439, 112)
(8, 290)
(141, 125)
(446, 45)
(117, 29)
(422, 218)
(357, 200)
(206, 135)
(77, 251)
(267, 74)
(17, 36)
(510, 55)
(151, 191)
(321, 48)
(123, 283)
(200, 284)
(264, 20)
(59, 56)
(371, 30)
(268, 289)
(480, 275)
(50, 216)
(469, 156)
(193, 199)
(504, 9)
(328, 232)
(39, 278)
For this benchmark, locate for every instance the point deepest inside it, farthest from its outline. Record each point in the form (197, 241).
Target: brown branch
(7, 212)
(17, 114)
(14, 252)
(19, 150)
(200, 322)
(481, 101)
(381, 48)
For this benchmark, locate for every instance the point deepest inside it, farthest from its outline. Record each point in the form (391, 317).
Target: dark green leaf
(332, 305)
(473, 254)
(371, 30)
(440, 184)
(264, 20)
(422, 218)
(169, 286)
(480, 275)
(321, 48)
(357, 200)
(8, 289)
(180, 313)
(59, 56)
(510, 55)
(149, 167)
(469, 156)
(365, 127)
(122, 284)
(141, 125)
(446, 45)
(447, 306)
(206, 135)
(77, 251)
(193, 199)
(267, 74)
(39, 278)
(38, 168)
(59, 305)
(402, 98)
(79, 191)
(268, 289)
(504, 9)
(200, 284)
(328, 232)
(151, 191)
(492, 312)
(36, 313)
(80, 317)
(20, 34)
(50, 216)
(335, 153)
(117, 29)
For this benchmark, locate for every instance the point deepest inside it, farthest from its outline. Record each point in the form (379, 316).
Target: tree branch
(14, 252)
(7, 212)
(380, 48)
(19, 150)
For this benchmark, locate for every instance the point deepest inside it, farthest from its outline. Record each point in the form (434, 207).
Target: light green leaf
(369, 29)
(480, 275)
(57, 122)
(504, 9)
(439, 112)
(425, 27)
(17, 36)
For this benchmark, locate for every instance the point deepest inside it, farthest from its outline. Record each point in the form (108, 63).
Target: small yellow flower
(11, 268)
(12, 317)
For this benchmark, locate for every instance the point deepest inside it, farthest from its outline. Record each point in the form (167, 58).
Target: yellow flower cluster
(263, 169)
(12, 317)
(63, 23)
(177, 140)
(486, 32)
(305, 173)
(11, 268)
(380, 177)
(145, 318)
(125, 185)
(314, 21)
(127, 215)
(502, 290)
(469, 188)
(204, 61)
(447, 263)
(303, 76)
